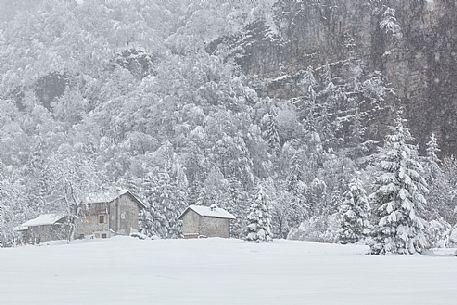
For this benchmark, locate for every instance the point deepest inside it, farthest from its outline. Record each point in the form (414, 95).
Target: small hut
(203, 221)
(47, 227)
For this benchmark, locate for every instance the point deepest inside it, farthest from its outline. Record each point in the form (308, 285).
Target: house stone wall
(124, 215)
(190, 224)
(45, 233)
(88, 223)
(214, 227)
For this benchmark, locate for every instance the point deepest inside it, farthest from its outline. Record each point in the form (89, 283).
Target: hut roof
(205, 211)
(42, 220)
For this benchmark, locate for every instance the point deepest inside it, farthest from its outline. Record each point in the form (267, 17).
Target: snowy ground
(216, 272)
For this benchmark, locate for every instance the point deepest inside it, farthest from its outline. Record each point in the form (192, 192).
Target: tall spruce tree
(433, 161)
(258, 228)
(237, 205)
(165, 211)
(146, 192)
(439, 194)
(355, 211)
(3, 209)
(398, 200)
(434, 173)
(439, 208)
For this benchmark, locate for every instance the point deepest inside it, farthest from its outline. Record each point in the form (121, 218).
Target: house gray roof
(42, 220)
(205, 211)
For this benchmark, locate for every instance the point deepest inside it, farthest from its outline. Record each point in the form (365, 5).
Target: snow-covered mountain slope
(215, 271)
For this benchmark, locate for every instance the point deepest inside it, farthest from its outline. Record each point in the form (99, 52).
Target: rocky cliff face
(412, 43)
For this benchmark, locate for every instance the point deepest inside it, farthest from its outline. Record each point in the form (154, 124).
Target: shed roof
(42, 220)
(206, 211)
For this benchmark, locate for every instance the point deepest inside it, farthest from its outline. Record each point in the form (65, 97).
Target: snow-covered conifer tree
(440, 190)
(355, 213)
(166, 197)
(271, 133)
(3, 211)
(432, 159)
(358, 146)
(389, 22)
(237, 205)
(146, 193)
(215, 188)
(439, 207)
(182, 186)
(165, 213)
(10, 202)
(398, 199)
(258, 228)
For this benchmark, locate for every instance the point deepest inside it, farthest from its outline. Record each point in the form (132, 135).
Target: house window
(103, 235)
(101, 219)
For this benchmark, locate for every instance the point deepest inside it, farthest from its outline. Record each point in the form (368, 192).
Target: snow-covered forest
(158, 97)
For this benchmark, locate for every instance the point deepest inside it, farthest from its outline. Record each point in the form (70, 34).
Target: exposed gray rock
(412, 42)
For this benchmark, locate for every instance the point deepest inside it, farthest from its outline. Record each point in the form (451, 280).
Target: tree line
(144, 106)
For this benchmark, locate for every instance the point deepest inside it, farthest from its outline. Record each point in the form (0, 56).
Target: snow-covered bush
(453, 237)
(139, 235)
(438, 233)
(318, 229)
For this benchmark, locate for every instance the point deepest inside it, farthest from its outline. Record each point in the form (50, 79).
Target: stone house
(107, 215)
(44, 228)
(203, 221)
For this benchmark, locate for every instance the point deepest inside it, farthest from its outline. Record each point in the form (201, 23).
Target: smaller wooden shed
(203, 221)
(44, 228)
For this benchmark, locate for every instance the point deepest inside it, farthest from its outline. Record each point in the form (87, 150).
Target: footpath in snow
(216, 272)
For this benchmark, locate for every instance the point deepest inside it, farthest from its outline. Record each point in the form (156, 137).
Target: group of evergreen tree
(396, 217)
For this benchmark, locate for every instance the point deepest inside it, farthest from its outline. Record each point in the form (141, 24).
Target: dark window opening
(101, 219)
(103, 235)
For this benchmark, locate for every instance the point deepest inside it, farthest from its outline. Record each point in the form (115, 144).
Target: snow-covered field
(215, 271)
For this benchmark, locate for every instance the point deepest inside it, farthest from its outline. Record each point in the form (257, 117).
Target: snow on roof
(205, 211)
(109, 196)
(42, 220)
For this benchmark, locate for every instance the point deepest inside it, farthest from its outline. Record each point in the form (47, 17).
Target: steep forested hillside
(202, 102)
